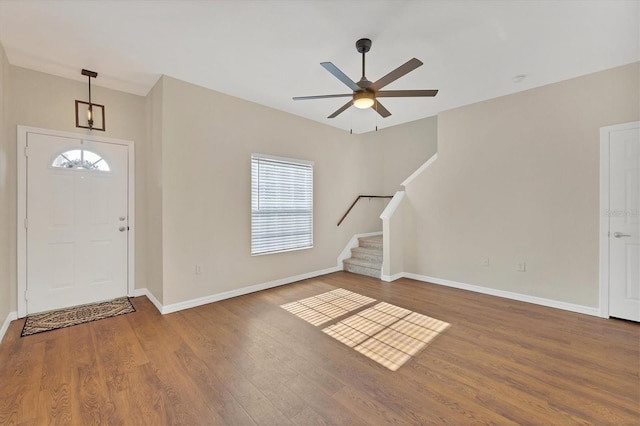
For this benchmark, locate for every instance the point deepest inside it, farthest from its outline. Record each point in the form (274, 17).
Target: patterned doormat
(47, 321)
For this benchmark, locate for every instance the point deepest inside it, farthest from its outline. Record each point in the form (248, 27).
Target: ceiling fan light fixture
(363, 100)
(364, 92)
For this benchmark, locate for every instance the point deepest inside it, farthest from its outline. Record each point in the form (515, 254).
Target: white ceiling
(269, 51)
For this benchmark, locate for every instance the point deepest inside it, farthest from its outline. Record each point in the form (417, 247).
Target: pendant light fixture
(94, 113)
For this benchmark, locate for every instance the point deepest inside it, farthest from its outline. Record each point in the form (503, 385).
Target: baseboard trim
(175, 307)
(390, 278)
(145, 292)
(580, 309)
(12, 316)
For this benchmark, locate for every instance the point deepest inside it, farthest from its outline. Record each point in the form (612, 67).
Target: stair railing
(358, 199)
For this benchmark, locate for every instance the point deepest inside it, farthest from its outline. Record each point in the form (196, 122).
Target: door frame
(21, 231)
(604, 207)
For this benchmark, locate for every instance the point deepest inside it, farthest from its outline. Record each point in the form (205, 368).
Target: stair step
(366, 259)
(364, 263)
(363, 267)
(369, 254)
(371, 242)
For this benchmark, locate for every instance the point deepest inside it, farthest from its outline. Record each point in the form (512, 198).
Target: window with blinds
(281, 204)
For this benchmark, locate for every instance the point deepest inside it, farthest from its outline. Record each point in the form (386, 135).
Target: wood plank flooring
(247, 361)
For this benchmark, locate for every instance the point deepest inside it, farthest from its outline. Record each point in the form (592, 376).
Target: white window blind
(281, 204)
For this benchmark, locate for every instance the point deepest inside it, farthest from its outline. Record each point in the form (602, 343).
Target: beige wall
(6, 285)
(517, 180)
(207, 142)
(403, 149)
(153, 220)
(192, 180)
(42, 100)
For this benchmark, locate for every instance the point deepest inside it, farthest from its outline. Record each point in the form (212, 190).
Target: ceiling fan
(366, 93)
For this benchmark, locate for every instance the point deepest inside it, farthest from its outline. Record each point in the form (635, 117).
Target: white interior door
(624, 224)
(77, 224)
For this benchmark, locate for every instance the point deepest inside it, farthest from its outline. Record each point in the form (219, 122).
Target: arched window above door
(81, 159)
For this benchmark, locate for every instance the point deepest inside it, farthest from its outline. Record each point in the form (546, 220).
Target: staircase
(366, 259)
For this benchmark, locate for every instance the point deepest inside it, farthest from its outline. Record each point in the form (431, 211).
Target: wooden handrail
(358, 199)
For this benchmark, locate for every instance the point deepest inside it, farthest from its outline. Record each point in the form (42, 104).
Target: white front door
(77, 224)
(624, 224)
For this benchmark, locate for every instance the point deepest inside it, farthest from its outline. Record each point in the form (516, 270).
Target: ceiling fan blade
(341, 109)
(380, 109)
(407, 67)
(302, 98)
(405, 93)
(340, 76)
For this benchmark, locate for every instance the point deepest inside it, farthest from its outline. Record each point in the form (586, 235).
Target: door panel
(624, 224)
(75, 251)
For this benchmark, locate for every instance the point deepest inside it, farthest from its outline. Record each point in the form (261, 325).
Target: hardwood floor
(247, 361)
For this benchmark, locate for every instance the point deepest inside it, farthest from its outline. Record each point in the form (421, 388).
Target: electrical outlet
(485, 262)
(522, 266)
(198, 269)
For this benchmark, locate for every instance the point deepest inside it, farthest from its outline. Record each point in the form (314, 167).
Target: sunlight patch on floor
(385, 333)
(327, 306)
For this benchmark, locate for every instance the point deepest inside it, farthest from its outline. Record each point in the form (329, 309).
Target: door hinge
(26, 151)
(26, 295)
(26, 223)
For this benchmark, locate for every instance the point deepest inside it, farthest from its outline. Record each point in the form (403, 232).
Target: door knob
(620, 235)
(122, 228)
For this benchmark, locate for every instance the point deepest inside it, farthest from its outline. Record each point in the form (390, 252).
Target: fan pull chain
(351, 118)
(377, 115)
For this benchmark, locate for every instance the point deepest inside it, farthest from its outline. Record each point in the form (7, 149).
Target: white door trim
(22, 206)
(604, 212)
